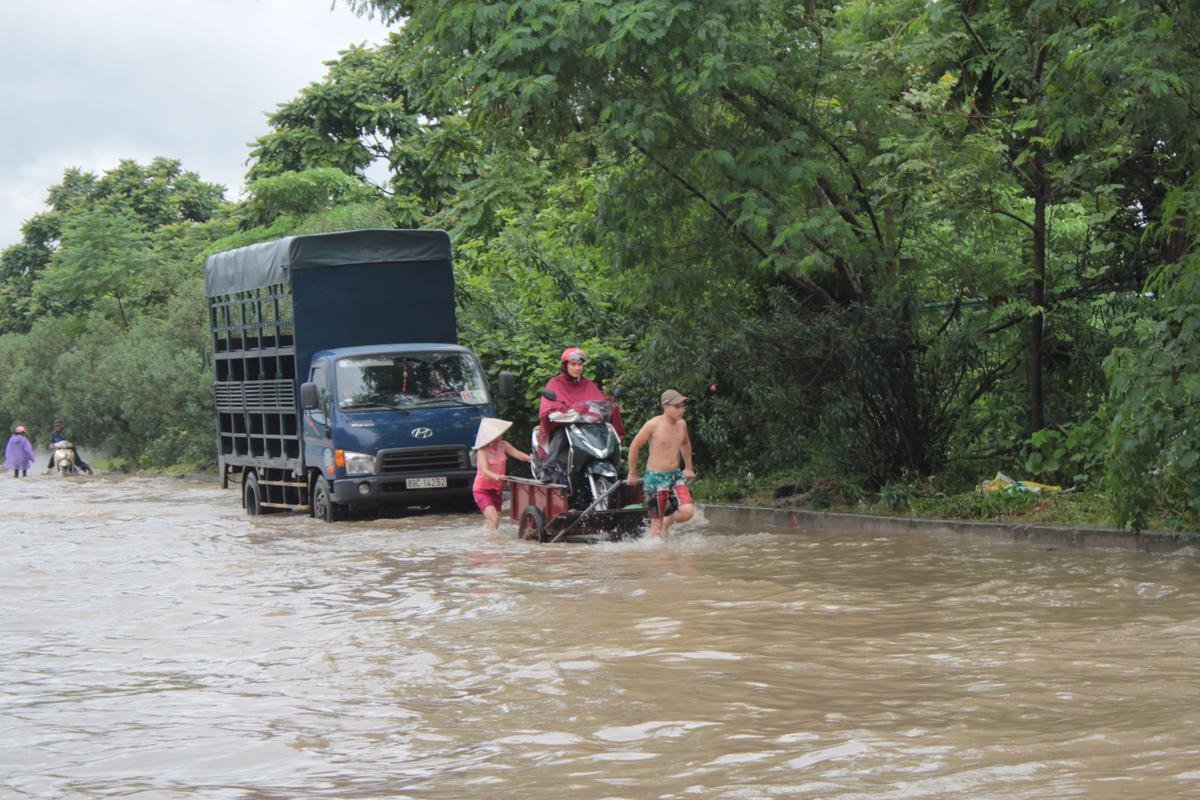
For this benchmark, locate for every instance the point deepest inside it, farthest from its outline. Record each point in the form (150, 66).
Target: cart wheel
(533, 525)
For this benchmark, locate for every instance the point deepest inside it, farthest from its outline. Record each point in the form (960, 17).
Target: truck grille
(422, 459)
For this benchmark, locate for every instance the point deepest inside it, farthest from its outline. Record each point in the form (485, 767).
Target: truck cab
(392, 425)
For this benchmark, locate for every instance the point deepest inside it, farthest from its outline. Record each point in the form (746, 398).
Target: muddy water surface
(155, 643)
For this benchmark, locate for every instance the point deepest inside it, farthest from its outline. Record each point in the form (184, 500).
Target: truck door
(318, 422)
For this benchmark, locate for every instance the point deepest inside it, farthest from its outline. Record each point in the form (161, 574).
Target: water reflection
(156, 643)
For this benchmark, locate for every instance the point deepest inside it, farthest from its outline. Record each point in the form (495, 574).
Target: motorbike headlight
(359, 463)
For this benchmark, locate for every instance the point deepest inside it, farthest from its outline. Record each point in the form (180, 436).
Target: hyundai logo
(421, 433)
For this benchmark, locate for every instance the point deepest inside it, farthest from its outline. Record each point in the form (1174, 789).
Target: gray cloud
(88, 83)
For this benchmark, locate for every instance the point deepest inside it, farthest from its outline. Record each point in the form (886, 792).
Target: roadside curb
(1041, 535)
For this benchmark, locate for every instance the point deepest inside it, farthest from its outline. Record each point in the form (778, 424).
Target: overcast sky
(86, 83)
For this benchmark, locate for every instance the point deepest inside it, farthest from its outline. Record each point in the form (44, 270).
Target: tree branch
(861, 189)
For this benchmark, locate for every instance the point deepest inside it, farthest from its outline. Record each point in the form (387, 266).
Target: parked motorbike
(587, 457)
(64, 458)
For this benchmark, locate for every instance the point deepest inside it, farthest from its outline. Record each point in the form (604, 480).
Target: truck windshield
(403, 380)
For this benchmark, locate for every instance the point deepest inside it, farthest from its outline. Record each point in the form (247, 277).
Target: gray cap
(672, 398)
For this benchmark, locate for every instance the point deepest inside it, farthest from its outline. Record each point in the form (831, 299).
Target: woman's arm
(515, 453)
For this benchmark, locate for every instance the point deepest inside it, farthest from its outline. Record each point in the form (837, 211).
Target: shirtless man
(667, 496)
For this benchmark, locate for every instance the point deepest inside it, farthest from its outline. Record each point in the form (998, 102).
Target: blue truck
(338, 382)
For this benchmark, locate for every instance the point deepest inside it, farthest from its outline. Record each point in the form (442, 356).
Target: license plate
(425, 483)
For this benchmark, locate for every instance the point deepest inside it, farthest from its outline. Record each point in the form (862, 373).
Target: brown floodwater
(156, 643)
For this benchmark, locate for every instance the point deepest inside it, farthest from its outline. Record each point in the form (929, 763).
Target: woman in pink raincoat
(18, 454)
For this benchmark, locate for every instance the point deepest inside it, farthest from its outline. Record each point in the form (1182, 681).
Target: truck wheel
(251, 499)
(323, 507)
(533, 525)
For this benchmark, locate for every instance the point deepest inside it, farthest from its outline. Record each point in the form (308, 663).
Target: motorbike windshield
(409, 380)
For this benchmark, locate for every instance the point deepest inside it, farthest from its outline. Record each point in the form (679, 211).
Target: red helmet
(573, 354)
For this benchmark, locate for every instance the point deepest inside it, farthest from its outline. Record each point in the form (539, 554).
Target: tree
(731, 130)
(363, 120)
(103, 254)
(1054, 93)
(296, 194)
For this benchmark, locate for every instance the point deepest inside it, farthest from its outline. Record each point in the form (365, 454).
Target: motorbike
(588, 456)
(64, 458)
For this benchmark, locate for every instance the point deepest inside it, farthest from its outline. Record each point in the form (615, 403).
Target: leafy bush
(1153, 446)
(896, 496)
(1068, 457)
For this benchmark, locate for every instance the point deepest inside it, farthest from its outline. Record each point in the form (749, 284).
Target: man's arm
(685, 448)
(635, 448)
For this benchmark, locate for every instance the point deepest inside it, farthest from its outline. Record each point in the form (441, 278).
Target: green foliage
(1068, 457)
(117, 340)
(352, 118)
(102, 255)
(299, 194)
(526, 293)
(27, 394)
(1152, 448)
(896, 496)
(158, 194)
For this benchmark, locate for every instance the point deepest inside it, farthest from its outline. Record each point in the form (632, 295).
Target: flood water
(155, 643)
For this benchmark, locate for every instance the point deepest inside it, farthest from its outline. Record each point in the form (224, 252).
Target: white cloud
(89, 83)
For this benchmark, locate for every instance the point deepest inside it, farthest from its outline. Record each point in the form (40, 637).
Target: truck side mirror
(506, 384)
(308, 396)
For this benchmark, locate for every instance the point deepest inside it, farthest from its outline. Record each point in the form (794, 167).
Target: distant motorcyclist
(59, 435)
(569, 387)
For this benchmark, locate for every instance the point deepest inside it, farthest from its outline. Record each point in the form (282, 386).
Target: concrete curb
(1042, 535)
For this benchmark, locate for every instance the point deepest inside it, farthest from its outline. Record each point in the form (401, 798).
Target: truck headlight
(358, 463)
(474, 458)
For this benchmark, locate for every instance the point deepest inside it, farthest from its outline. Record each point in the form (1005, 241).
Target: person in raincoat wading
(18, 454)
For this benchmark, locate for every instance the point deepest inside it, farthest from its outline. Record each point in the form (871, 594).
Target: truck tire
(323, 507)
(251, 498)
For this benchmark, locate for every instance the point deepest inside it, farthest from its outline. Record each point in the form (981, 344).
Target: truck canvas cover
(269, 263)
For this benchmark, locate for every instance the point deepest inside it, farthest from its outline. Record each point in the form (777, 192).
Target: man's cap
(672, 398)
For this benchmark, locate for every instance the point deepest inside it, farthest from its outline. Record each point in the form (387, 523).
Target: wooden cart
(542, 514)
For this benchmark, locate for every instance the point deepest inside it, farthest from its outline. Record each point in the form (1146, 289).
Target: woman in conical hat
(492, 454)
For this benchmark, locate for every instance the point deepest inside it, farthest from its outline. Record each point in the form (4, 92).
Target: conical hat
(490, 429)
